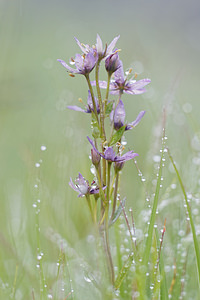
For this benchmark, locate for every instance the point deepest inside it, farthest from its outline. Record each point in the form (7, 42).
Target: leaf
(95, 127)
(118, 212)
(117, 135)
(109, 108)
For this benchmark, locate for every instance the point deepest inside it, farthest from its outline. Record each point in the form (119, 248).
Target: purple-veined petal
(76, 108)
(71, 70)
(112, 45)
(89, 62)
(99, 45)
(127, 156)
(109, 154)
(136, 121)
(119, 74)
(79, 62)
(119, 116)
(83, 49)
(133, 84)
(71, 184)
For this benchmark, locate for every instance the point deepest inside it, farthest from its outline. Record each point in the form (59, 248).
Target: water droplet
(37, 266)
(181, 233)
(38, 200)
(147, 274)
(37, 165)
(173, 186)
(36, 186)
(156, 158)
(155, 226)
(143, 179)
(50, 296)
(34, 205)
(87, 279)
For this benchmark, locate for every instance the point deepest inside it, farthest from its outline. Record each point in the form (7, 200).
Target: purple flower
(110, 155)
(112, 63)
(84, 63)
(82, 186)
(119, 117)
(120, 84)
(89, 108)
(102, 53)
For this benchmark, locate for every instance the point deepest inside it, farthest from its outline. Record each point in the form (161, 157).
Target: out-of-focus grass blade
(196, 245)
(118, 212)
(153, 213)
(163, 283)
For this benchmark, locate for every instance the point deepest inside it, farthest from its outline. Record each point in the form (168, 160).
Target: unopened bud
(95, 157)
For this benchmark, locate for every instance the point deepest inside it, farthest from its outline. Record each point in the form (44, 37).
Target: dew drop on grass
(50, 296)
(35, 186)
(34, 205)
(37, 266)
(37, 165)
(39, 257)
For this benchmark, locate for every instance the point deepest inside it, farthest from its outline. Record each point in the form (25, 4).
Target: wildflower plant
(108, 156)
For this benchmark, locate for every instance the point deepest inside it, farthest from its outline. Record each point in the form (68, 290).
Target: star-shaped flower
(121, 84)
(82, 186)
(110, 155)
(84, 63)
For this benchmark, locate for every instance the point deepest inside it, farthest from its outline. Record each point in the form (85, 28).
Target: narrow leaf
(117, 135)
(118, 212)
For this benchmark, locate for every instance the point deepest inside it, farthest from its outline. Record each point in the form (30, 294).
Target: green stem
(100, 101)
(90, 206)
(115, 195)
(92, 95)
(107, 93)
(112, 128)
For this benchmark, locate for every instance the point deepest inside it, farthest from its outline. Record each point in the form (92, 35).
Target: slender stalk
(112, 125)
(92, 95)
(107, 93)
(115, 195)
(103, 135)
(90, 206)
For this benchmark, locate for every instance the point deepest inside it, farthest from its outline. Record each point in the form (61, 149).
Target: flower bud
(118, 166)
(95, 157)
(112, 63)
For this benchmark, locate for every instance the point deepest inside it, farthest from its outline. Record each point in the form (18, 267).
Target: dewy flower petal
(84, 63)
(82, 186)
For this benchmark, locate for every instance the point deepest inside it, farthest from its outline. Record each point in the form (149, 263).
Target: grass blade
(196, 245)
(155, 204)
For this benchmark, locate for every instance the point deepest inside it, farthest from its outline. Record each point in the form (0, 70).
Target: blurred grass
(158, 39)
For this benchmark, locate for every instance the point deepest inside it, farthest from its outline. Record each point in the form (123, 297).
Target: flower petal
(99, 45)
(112, 45)
(76, 108)
(136, 122)
(127, 156)
(71, 70)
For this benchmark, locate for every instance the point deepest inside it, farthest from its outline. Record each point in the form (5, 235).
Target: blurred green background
(159, 39)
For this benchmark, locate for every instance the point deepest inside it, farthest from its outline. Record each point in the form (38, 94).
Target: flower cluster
(106, 145)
